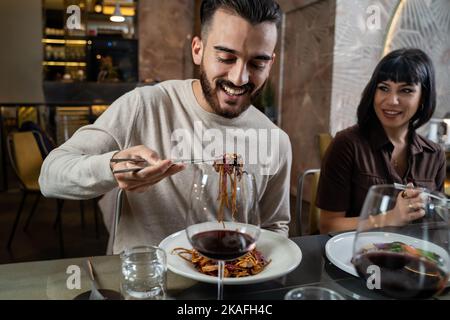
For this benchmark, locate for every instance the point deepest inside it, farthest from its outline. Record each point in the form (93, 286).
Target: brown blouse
(354, 162)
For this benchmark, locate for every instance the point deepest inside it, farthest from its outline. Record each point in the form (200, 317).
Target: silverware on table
(95, 293)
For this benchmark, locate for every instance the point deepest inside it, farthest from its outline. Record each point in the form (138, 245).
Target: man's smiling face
(235, 60)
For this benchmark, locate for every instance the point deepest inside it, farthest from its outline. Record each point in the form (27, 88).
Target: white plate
(284, 253)
(339, 249)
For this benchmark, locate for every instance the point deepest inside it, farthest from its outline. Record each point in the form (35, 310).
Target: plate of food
(274, 256)
(339, 249)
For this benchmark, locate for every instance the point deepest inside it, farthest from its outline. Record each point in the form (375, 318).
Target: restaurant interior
(64, 62)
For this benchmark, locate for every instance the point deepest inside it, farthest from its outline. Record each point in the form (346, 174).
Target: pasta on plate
(250, 264)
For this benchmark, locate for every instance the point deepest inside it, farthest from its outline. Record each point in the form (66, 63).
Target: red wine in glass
(217, 229)
(403, 276)
(223, 244)
(403, 257)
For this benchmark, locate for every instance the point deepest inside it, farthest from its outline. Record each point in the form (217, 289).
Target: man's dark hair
(411, 66)
(254, 11)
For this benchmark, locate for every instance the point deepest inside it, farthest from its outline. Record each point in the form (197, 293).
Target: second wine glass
(396, 252)
(223, 222)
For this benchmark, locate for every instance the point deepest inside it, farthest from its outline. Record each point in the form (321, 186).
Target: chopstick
(117, 160)
(128, 170)
(176, 161)
(193, 161)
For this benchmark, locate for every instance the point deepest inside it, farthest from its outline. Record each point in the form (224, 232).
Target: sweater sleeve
(274, 203)
(79, 169)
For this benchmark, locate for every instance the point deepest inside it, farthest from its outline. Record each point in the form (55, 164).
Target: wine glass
(223, 221)
(401, 245)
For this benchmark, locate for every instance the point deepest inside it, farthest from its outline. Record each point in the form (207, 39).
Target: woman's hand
(409, 207)
(153, 170)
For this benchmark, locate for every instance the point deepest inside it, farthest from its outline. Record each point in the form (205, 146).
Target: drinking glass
(401, 246)
(312, 293)
(223, 221)
(144, 271)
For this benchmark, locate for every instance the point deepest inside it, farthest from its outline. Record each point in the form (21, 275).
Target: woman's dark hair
(254, 11)
(405, 65)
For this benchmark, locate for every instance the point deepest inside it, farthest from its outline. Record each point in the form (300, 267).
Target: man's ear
(273, 59)
(197, 50)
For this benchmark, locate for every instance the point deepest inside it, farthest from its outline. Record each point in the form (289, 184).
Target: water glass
(312, 293)
(144, 272)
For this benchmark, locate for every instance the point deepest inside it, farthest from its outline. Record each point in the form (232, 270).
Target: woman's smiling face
(396, 103)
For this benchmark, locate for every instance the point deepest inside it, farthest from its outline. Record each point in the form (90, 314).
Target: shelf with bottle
(66, 41)
(53, 32)
(65, 73)
(64, 64)
(65, 59)
(65, 53)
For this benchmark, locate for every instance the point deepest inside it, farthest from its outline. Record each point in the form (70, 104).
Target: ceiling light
(98, 7)
(117, 15)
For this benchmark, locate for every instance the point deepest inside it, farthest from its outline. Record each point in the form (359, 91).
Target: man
(181, 119)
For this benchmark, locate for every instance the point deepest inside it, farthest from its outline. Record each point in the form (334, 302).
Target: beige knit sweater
(168, 119)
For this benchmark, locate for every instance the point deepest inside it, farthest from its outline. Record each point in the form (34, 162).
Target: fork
(140, 160)
(95, 294)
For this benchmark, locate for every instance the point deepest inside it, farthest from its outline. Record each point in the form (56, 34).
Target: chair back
(117, 213)
(314, 212)
(118, 196)
(45, 142)
(324, 142)
(25, 158)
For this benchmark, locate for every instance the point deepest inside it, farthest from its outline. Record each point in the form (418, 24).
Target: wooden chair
(324, 142)
(314, 212)
(26, 160)
(117, 213)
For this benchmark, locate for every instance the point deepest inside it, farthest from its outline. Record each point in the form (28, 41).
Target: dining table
(56, 279)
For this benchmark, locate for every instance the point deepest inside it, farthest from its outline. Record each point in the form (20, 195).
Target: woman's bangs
(400, 70)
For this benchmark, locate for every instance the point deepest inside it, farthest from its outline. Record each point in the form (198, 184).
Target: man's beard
(211, 97)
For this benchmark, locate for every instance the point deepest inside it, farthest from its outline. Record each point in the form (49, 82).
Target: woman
(384, 148)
